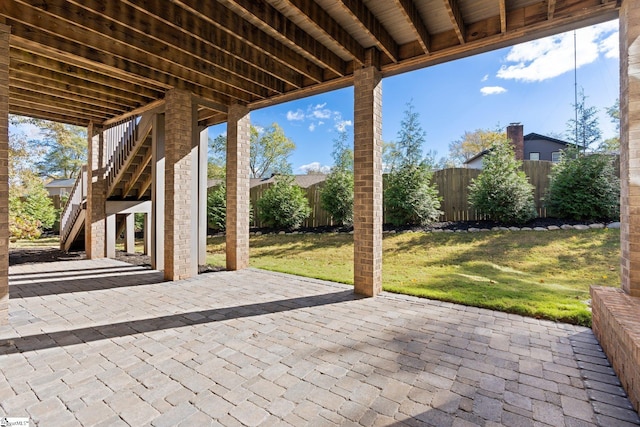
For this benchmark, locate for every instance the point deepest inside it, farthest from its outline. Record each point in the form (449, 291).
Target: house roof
(92, 61)
(528, 137)
(60, 183)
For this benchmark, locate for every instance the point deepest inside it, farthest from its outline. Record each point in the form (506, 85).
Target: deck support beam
(367, 209)
(95, 220)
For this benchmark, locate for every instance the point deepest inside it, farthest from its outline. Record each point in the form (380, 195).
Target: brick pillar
(95, 219)
(367, 208)
(5, 32)
(515, 134)
(237, 223)
(630, 146)
(179, 133)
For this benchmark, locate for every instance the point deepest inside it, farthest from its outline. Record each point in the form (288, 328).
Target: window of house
(534, 156)
(555, 156)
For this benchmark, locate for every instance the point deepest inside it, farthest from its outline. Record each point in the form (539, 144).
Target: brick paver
(99, 342)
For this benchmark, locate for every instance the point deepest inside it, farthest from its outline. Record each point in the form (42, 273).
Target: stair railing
(73, 206)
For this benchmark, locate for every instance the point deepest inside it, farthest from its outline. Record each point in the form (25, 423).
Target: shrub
(24, 228)
(336, 196)
(38, 206)
(409, 196)
(284, 204)
(217, 207)
(502, 191)
(584, 187)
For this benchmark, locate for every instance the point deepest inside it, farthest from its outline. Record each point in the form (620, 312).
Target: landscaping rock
(566, 227)
(580, 227)
(514, 228)
(541, 229)
(526, 229)
(473, 230)
(596, 226)
(614, 225)
(553, 227)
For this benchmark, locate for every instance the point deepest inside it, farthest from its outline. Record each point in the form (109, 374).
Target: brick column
(179, 133)
(367, 208)
(5, 32)
(95, 219)
(630, 146)
(237, 223)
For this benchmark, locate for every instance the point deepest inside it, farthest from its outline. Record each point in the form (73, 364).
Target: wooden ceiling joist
(455, 14)
(276, 24)
(551, 9)
(503, 15)
(243, 32)
(411, 13)
(367, 20)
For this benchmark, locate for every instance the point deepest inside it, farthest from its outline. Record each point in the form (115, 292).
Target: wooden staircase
(128, 175)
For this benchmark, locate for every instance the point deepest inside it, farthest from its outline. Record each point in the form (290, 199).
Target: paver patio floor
(107, 343)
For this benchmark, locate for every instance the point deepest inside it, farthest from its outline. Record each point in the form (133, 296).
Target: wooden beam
(155, 105)
(551, 8)
(455, 14)
(503, 16)
(368, 22)
(268, 18)
(321, 20)
(37, 105)
(171, 25)
(412, 15)
(32, 95)
(58, 90)
(92, 31)
(227, 21)
(44, 114)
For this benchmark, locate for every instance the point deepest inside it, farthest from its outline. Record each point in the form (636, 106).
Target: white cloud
(492, 90)
(552, 56)
(312, 127)
(341, 125)
(295, 115)
(485, 78)
(316, 167)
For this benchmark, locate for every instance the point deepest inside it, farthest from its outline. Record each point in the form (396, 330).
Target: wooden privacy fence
(452, 184)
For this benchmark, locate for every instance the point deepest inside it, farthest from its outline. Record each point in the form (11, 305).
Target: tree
(502, 190)
(63, 147)
(270, 151)
(472, 143)
(612, 144)
(284, 204)
(336, 195)
(410, 197)
(584, 187)
(584, 131)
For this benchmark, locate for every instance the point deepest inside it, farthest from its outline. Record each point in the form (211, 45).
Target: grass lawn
(539, 274)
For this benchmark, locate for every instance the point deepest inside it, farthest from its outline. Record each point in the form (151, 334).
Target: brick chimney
(515, 134)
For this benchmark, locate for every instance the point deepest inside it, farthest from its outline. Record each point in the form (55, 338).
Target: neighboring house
(534, 147)
(60, 187)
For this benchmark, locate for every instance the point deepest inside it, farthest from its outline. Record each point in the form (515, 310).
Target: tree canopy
(585, 131)
(472, 143)
(269, 153)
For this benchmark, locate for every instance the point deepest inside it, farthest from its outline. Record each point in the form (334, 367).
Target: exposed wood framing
(503, 15)
(551, 9)
(368, 22)
(273, 22)
(453, 9)
(409, 10)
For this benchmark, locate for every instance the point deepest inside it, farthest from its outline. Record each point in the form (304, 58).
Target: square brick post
(237, 223)
(5, 33)
(95, 219)
(179, 261)
(630, 146)
(367, 208)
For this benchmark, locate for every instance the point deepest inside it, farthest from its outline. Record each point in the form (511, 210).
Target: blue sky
(531, 83)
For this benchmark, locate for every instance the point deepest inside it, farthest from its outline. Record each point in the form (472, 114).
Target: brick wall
(5, 32)
(238, 199)
(179, 131)
(616, 324)
(367, 206)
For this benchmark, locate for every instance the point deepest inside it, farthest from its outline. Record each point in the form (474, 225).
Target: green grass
(46, 242)
(538, 274)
